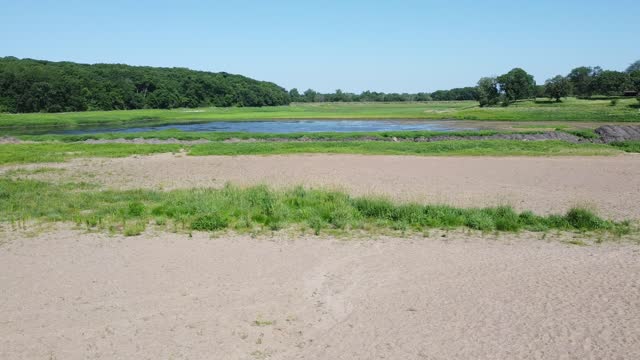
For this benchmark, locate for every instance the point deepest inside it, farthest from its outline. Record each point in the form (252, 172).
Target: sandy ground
(544, 185)
(73, 295)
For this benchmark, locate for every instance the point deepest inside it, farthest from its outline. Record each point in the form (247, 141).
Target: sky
(390, 46)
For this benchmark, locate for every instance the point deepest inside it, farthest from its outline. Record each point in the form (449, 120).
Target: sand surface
(72, 295)
(610, 185)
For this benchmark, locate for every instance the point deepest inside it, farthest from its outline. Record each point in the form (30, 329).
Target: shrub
(374, 207)
(584, 219)
(479, 220)
(506, 219)
(209, 222)
(134, 229)
(136, 209)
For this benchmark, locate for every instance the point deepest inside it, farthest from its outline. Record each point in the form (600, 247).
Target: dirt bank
(73, 295)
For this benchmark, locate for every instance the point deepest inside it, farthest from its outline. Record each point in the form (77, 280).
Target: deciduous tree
(557, 87)
(517, 84)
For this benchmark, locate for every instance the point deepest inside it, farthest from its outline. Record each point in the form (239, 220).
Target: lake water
(286, 126)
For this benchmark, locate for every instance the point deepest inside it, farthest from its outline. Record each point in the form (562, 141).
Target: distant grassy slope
(569, 110)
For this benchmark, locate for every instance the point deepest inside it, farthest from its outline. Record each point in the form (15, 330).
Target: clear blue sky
(399, 46)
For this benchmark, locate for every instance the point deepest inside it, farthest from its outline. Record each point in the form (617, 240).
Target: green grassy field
(60, 151)
(258, 209)
(569, 110)
(443, 148)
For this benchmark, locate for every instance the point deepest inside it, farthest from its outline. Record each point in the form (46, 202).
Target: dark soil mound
(611, 133)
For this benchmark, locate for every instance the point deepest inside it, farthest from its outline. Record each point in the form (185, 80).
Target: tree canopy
(517, 84)
(583, 81)
(634, 67)
(28, 85)
(488, 93)
(557, 87)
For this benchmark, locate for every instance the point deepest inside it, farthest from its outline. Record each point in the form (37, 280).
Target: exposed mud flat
(74, 295)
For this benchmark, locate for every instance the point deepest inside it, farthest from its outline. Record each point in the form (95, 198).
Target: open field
(569, 110)
(542, 184)
(473, 249)
(71, 294)
(38, 152)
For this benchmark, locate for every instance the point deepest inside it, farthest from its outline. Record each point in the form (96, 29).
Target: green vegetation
(628, 146)
(441, 148)
(310, 96)
(557, 88)
(44, 86)
(259, 208)
(57, 152)
(596, 110)
(584, 133)
(60, 151)
(28, 86)
(517, 84)
(582, 82)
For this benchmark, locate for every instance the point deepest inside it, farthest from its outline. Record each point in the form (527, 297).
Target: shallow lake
(285, 126)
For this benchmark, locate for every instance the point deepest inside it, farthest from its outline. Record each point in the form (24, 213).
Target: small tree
(557, 88)
(488, 94)
(294, 95)
(310, 95)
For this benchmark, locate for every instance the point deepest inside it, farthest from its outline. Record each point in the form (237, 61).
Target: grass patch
(584, 133)
(57, 152)
(440, 148)
(260, 208)
(570, 109)
(628, 146)
(134, 229)
(60, 151)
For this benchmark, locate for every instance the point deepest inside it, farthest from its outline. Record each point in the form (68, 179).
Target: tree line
(28, 85)
(582, 82)
(311, 96)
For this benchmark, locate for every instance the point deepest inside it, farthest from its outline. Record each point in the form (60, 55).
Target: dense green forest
(43, 86)
(28, 85)
(467, 93)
